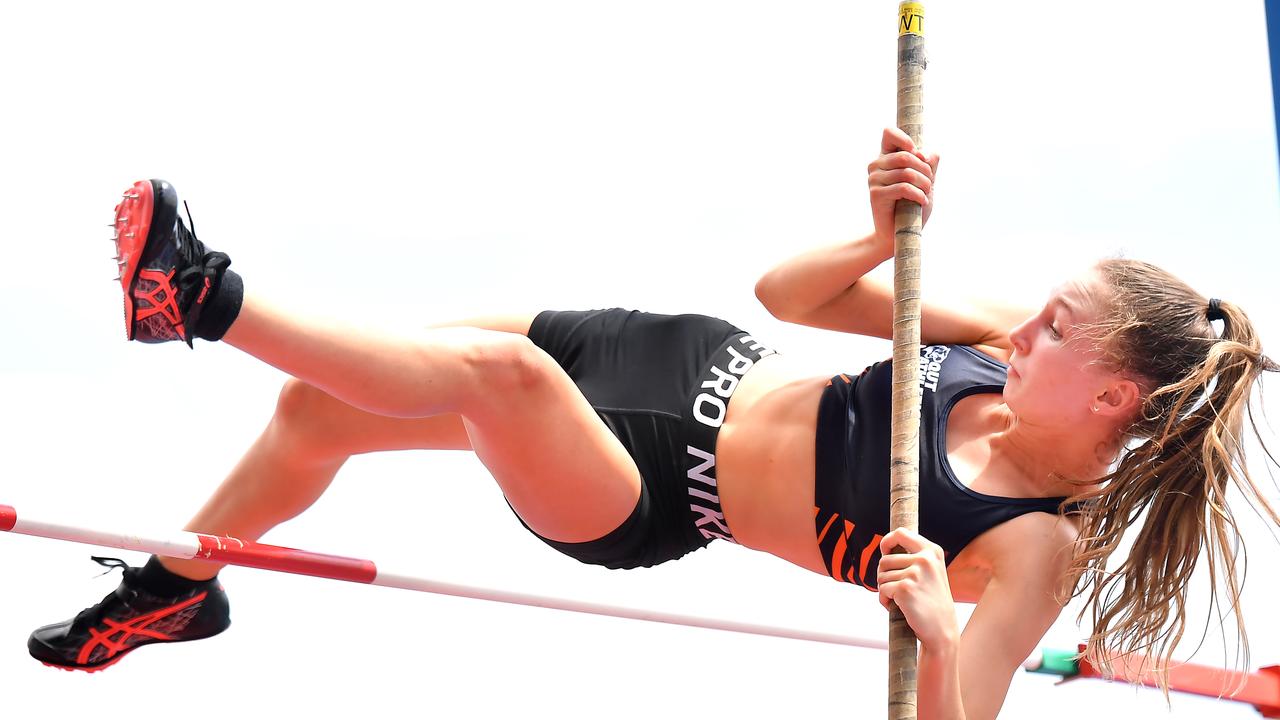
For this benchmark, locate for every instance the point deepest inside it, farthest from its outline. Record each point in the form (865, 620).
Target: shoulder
(1037, 546)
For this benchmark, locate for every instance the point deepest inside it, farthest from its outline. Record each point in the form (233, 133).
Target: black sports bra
(852, 486)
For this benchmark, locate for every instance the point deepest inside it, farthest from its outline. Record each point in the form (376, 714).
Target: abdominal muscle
(765, 461)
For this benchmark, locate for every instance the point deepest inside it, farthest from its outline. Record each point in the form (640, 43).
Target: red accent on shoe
(161, 297)
(94, 669)
(204, 292)
(133, 222)
(128, 630)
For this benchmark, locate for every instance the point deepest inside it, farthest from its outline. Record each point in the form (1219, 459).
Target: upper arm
(1021, 601)
(866, 308)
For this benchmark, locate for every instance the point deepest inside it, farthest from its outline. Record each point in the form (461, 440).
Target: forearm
(808, 281)
(938, 683)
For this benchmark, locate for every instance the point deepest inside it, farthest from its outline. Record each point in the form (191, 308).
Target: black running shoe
(167, 274)
(129, 618)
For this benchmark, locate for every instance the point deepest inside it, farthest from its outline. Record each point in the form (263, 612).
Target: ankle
(159, 580)
(222, 307)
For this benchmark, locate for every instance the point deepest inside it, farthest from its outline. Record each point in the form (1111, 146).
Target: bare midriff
(765, 461)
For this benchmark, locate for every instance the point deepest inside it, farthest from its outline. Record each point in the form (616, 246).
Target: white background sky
(402, 165)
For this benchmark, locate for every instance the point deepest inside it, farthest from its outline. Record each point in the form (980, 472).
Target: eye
(1053, 332)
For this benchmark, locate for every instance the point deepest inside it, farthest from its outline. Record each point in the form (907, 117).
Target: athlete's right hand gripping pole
(904, 455)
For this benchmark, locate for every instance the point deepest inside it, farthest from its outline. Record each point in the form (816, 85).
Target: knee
(298, 417)
(511, 363)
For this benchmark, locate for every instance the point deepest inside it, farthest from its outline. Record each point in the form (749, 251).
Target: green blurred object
(1057, 662)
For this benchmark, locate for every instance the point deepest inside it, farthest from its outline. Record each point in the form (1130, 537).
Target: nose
(1020, 336)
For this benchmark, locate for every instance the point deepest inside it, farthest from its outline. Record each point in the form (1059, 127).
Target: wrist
(880, 248)
(944, 644)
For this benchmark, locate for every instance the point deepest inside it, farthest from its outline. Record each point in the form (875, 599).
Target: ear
(1121, 398)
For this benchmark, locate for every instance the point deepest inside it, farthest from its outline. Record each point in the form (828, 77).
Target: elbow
(771, 297)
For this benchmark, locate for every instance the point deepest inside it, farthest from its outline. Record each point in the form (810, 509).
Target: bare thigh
(562, 470)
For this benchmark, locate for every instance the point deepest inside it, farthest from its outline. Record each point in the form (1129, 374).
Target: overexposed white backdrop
(401, 164)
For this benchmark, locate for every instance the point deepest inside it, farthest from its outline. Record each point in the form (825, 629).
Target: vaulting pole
(904, 462)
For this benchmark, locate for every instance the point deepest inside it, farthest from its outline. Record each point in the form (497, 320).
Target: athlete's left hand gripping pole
(904, 457)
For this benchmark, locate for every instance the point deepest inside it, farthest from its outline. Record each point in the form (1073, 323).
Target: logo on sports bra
(931, 359)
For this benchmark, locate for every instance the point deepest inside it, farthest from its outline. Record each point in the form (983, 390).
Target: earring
(1095, 408)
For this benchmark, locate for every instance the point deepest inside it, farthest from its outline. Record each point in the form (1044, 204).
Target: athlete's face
(1056, 376)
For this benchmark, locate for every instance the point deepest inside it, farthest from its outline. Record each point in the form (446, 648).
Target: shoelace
(91, 615)
(202, 267)
(109, 563)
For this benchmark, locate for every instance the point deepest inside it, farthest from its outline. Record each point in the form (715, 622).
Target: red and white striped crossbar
(229, 550)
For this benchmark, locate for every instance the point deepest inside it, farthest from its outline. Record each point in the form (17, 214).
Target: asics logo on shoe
(204, 291)
(154, 294)
(121, 636)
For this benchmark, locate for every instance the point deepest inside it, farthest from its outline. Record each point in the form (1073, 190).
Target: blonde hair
(1197, 388)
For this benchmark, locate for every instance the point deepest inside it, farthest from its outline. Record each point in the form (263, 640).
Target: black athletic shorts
(662, 384)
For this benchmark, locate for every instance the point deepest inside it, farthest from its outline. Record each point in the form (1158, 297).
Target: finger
(901, 191)
(898, 160)
(894, 139)
(904, 175)
(913, 571)
(887, 592)
(933, 163)
(913, 543)
(910, 541)
(931, 159)
(899, 580)
(893, 562)
(897, 563)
